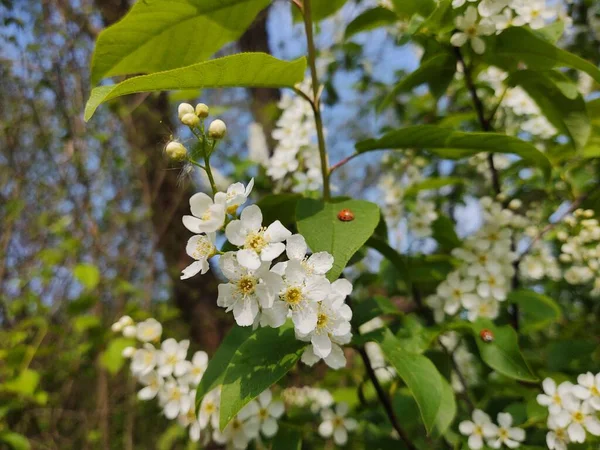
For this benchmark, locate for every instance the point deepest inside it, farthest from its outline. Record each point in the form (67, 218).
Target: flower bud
(217, 129)
(183, 109)
(116, 327)
(130, 331)
(125, 320)
(176, 151)
(201, 110)
(190, 119)
(515, 203)
(128, 352)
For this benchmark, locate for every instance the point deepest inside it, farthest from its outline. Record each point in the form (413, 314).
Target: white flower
(494, 286)
(174, 398)
(507, 434)
(582, 418)
(144, 360)
(456, 291)
(459, 3)
(258, 244)
(471, 29)
(239, 432)
(556, 398)
(196, 368)
(336, 424)
(149, 330)
(532, 12)
(130, 331)
(207, 216)
(208, 414)
(235, 196)
(201, 247)
(247, 290)
(300, 294)
(480, 427)
(257, 144)
(488, 8)
(557, 438)
(588, 389)
(123, 322)
(267, 411)
(153, 384)
(171, 358)
(333, 319)
(336, 358)
(503, 21)
(318, 263)
(187, 417)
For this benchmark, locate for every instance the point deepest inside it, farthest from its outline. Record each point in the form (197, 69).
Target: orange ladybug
(345, 215)
(486, 335)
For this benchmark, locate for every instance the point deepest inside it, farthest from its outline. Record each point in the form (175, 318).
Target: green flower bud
(201, 110)
(190, 119)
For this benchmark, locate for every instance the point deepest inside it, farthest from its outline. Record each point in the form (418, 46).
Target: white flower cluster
(400, 174)
(483, 278)
(167, 374)
(481, 428)
(335, 424)
(580, 234)
(573, 410)
(482, 165)
(383, 371)
(296, 153)
(540, 263)
(518, 110)
(494, 16)
(315, 398)
(259, 294)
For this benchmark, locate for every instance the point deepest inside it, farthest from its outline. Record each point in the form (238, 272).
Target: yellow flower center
(256, 241)
(209, 408)
(207, 215)
(232, 209)
(338, 422)
(478, 430)
(293, 296)
(594, 391)
(263, 413)
(322, 320)
(247, 285)
(578, 417)
(503, 433)
(471, 31)
(204, 249)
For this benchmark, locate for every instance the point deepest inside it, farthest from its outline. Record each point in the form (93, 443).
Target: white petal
(276, 232)
(549, 386)
(199, 203)
(466, 427)
(192, 269)
(248, 258)
(230, 267)
(592, 424)
(308, 356)
(305, 320)
(336, 359)
(192, 223)
(478, 45)
(235, 233)
(276, 409)
(296, 247)
(272, 251)
(251, 217)
(245, 312)
(321, 344)
(317, 288)
(505, 420)
(269, 427)
(458, 40)
(475, 442)
(340, 436)
(326, 429)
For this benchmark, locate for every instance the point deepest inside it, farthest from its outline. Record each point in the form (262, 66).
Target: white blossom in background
(149, 330)
(257, 144)
(588, 389)
(534, 13)
(556, 397)
(336, 424)
(171, 358)
(557, 438)
(471, 28)
(478, 429)
(315, 398)
(266, 412)
(173, 397)
(144, 360)
(507, 435)
(422, 217)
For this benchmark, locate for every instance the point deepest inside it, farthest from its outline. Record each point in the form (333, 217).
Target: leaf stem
(316, 101)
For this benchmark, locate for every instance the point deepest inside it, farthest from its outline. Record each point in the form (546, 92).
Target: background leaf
(256, 365)
(287, 439)
(161, 35)
(243, 69)
(370, 19)
(112, 358)
(319, 224)
(538, 311)
(558, 99)
(88, 275)
(434, 137)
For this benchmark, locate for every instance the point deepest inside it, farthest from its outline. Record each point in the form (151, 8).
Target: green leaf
(243, 69)
(408, 8)
(280, 207)
(559, 101)
(369, 20)
(538, 311)
(539, 54)
(161, 35)
(25, 383)
(88, 275)
(414, 337)
(503, 353)
(434, 137)
(215, 372)
(319, 224)
(445, 234)
(433, 394)
(368, 309)
(319, 9)
(432, 70)
(256, 365)
(112, 358)
(15, 441)
(287, 439)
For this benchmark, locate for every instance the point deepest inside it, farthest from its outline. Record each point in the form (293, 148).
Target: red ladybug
(345, 215)
(486, 335)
